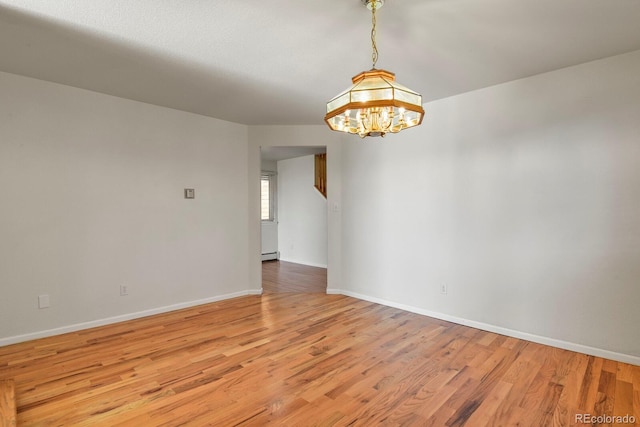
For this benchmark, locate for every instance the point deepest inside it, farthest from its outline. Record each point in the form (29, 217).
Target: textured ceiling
(279, 61)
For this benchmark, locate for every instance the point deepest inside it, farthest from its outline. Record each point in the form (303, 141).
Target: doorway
(293, 221)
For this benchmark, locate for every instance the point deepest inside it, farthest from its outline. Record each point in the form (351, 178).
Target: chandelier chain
(374, 54)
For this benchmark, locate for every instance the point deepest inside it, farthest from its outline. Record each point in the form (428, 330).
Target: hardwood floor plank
(636, 403)
(8, 410)
(489, 405)
(606, 393)
(623, 400)
(589, 386)
(521, 376)
(567, 406)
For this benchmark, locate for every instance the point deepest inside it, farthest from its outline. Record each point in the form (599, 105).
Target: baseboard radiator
(271, 256)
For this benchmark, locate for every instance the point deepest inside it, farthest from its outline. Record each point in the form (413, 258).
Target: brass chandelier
(376, 104)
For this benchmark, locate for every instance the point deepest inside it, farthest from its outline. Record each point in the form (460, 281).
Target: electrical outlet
(443, 289)
(43, 301)
(124, 290)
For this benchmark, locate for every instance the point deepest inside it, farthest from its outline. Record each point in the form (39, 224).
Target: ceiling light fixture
(375, 104)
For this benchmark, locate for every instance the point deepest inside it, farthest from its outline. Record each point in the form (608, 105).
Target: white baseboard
(579, 348)
(122, 318)
(297, 261)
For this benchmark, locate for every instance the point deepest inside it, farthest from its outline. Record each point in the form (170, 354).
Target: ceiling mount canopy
(375, 104)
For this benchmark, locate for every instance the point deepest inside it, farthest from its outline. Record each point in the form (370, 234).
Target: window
(267, 196)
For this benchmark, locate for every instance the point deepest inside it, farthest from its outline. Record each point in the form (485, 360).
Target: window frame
(271, 177)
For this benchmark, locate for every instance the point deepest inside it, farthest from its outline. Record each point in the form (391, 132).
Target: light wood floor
(281, 276)
(307, 359)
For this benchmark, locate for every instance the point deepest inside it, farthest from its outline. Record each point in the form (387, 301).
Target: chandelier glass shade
(375, 104)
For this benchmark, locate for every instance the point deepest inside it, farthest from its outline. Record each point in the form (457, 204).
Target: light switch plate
(189, 193)
(43, 301)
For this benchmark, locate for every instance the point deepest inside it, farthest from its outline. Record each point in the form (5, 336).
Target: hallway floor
(284, 277)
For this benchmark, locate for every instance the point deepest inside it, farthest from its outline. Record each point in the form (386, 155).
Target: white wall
(91, 194)
(524, 198)
(274, 136)
(302, 213)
